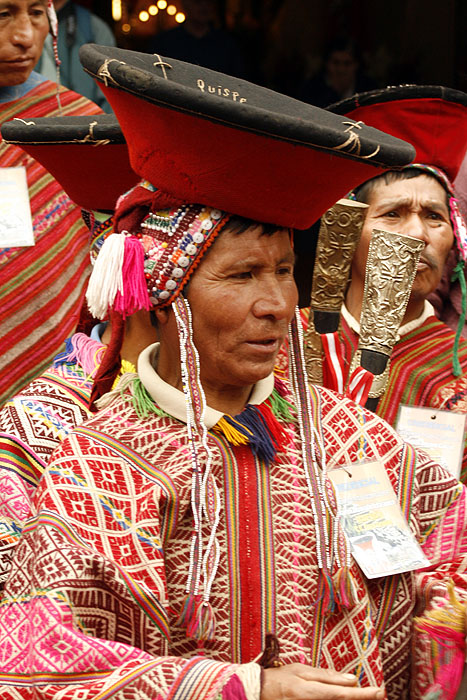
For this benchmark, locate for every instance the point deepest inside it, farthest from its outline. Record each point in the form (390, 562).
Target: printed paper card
(15, 211)
(440, 433)
(380, 538)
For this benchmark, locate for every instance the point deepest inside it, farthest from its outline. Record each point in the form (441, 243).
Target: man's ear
(162, 315)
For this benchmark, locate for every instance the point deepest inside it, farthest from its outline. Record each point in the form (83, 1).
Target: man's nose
(415, 226)
(23, 31)
(276, 300)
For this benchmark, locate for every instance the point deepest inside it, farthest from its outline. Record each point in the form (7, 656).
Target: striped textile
(420, 372)
(92, 606)
(42, 286)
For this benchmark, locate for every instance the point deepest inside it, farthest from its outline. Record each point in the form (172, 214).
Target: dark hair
(363, 192)
(239, 224)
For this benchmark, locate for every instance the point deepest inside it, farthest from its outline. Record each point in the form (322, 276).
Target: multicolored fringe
(82, 349)
(446, 628)
(260, 428)
(255, 426)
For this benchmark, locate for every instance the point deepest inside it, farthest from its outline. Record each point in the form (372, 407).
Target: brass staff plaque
(339, 234)
(390, 271)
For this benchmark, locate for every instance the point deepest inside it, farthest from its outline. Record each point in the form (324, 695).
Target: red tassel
(276, 430)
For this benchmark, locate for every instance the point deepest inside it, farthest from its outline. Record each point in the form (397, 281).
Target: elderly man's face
(417, 208)
(23, 28)
(242, 297)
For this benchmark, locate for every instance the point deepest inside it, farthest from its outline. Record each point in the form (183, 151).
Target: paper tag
(440, 433)
(380, 539)
(15, 211)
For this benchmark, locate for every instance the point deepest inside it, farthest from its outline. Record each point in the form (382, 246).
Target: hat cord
(197, 613)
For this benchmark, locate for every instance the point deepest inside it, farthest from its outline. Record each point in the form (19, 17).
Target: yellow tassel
(451, 616)
(126, 367)
(235, 437)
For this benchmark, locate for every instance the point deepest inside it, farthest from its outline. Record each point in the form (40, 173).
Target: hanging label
(15, 211)
(440, 433)
(379, 536)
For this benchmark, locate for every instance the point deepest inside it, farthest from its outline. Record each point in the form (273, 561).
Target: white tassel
(106, 277)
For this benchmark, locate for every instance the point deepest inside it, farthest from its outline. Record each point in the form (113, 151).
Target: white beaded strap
(250, 676)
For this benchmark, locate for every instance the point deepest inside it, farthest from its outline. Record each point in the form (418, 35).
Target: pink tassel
(450, 658)
(135, 293)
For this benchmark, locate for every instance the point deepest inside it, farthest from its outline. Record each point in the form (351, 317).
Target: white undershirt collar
(172, 400)
(428, 311)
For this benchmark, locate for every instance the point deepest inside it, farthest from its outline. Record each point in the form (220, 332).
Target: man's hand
(301, 682)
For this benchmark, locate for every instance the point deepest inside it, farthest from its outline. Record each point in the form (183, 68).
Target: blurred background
(303, 47)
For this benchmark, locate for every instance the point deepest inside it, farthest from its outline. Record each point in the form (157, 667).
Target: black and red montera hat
(430, 117)
(210, 138)
(87, 155)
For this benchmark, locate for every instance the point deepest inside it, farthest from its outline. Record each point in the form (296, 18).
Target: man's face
(416, 208)
(23, 28)
(341, 68)
(242, 298)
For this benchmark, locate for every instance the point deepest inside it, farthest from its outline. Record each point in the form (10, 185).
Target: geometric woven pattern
(32, 424)
(99, 576)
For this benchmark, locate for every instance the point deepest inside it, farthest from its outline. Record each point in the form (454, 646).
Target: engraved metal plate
(339, 235)
(390, 271)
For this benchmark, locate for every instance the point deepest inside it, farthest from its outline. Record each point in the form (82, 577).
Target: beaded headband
(149, 265)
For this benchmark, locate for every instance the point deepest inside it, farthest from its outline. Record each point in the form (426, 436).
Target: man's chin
(14, 78)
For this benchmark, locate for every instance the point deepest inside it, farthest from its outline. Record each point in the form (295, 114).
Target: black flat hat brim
(210, 138)
(88, 156)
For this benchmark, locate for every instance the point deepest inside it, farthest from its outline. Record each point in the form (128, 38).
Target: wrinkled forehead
(428, 188)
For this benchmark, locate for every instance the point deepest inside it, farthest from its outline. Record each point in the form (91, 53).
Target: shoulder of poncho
(334, 407)
(41, 101)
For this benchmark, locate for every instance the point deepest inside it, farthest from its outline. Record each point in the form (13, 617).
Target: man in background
(76, 26)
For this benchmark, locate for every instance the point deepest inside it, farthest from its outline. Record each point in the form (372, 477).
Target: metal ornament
(339, 235)
(390, 272)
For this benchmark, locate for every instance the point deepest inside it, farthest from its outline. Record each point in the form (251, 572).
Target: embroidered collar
(428, 311)
(172, 400)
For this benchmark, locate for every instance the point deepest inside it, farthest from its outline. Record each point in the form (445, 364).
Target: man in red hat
(428, 366)
(186, 542)
(35, 315)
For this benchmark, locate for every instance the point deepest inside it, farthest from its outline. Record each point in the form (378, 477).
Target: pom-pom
(133, 295)
(106, 277)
